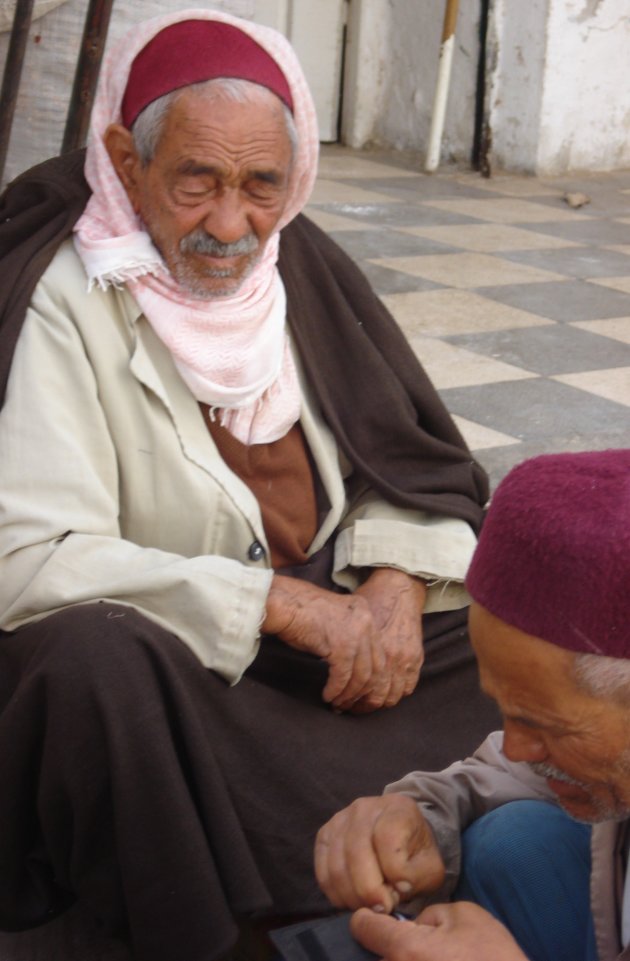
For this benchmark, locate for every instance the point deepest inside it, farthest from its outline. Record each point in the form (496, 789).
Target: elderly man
(235, 515)
(549, 624)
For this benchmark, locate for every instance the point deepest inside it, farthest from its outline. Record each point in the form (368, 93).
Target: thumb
(376, 932)
(390, 939)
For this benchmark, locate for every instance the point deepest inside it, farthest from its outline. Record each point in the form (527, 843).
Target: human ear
(123, 155)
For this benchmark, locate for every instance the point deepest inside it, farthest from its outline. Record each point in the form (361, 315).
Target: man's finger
(411, 677)
(345, 863)
(365, 671)
(370, 698)
(396, 690)
(387, 937)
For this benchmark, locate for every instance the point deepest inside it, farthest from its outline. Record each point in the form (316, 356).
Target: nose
(520, 743)
(227, 218)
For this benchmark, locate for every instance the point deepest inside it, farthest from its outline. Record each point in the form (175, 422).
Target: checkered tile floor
(517, 304)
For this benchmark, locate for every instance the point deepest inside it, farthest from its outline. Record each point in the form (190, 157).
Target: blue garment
(528, 863)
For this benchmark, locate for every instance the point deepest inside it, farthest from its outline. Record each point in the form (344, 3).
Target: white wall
(515, 65)
(557, 81)
(558, 78)
(367, 44)
(391, 69)
(585, 111)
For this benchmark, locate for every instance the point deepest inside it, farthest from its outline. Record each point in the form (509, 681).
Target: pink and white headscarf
(233, 352)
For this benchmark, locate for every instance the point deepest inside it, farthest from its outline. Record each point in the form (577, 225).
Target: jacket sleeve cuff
(437, 549)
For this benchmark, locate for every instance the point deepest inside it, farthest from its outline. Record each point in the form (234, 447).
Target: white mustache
(548, 770)
(200, 242)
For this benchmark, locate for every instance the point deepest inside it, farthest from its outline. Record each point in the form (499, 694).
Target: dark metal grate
(85, 79)
(12, 73)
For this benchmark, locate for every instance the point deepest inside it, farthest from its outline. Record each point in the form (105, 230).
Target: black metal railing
(85, 79)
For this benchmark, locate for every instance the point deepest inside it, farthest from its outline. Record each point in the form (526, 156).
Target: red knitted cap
(553, 558)
(195, 50)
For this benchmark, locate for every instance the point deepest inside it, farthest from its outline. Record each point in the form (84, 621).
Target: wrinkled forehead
(206, 132)
(192, 51)
(512, 661)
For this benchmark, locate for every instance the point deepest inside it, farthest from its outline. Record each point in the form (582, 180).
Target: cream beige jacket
(113, 489)
(453, 798)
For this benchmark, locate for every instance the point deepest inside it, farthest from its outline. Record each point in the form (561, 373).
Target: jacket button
(256, 551)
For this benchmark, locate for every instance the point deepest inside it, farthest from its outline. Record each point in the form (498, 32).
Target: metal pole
(441, 89)
(86, 76)
(12, 73)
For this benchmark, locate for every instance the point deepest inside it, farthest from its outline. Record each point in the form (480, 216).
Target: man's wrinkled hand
(443, 932)
(377, 852)
(371, 640)
(336, 627)
(396, 601)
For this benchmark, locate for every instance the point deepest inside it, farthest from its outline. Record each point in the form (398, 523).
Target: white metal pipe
(442, 86)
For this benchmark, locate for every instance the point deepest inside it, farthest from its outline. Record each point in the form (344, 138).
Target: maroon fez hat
(553, 558)
(195, 50)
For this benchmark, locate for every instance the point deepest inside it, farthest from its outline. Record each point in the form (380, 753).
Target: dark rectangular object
(326, 939)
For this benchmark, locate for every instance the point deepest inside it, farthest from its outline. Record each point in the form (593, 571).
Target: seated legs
(528, 863)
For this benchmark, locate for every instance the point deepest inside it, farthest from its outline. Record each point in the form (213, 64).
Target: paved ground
(517, 304)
